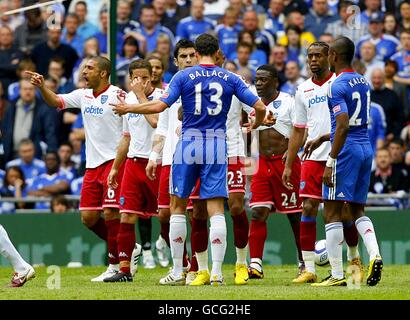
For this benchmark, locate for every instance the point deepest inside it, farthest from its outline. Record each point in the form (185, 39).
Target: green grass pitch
(75, 285)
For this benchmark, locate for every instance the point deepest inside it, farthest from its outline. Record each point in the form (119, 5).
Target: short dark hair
(149, 58)
(146, 7)
(322, 44)
(344, 4)
(103, 64)
(59, 60)
(139, 64)
(183, 44)
(271, 69)
(131, 41)
(344, 47)
(398, 141)
(403, 2)
(392, 63)
(293, 28)
(206, 45)
(82, 2)
(66, 143)
(59, 199)
(244, 44)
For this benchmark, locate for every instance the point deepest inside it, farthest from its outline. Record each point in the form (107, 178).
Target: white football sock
(334, 243)
(177, 236)
(309, 260)
(366, 230)
(217, 237)
(8, 251)
(241, 254)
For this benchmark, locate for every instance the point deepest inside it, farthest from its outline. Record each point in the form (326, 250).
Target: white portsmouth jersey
(234, 136)
(283, 109)
(312, 112)
(137, 126)
(102, 126)
(167, 126)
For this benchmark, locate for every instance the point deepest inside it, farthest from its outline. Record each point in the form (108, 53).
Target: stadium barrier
(57, 239)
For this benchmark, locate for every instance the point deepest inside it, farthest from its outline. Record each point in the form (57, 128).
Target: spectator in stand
(32, 32)
(59, 204)
(85, 27)
(28, 117)
(390, 102)
(275, 20)
(10, 57)
(397, 153)
(250, 5)
(67, 166)
(295, 51)
(14, 186)
(295, 18)
(56, 69)
(195, 24)
(30, 166)
(372, 9)
(13, 90)
(377, 126)
(292, 73)
(77, 139)
(390, 25)
(43, 52)
(385, 45)
(3, 106)
(91, 49)
(124, 22)
(404, 9)
(102, 35)
(405, 136)
(390, 70)
(257, 56)
(70, 35)
(173, 14)
(150, 29)
(164, 49)
(278, 58)
(326, 37)
(295, 5)
(318, 18)
(230, 66)
(369, 60)
(76, 186)
(8, 20)
(243, 54)
(264, 39)
(228, 31)
(347, 25)
(50, 183)
(387, 178)
(130, 52)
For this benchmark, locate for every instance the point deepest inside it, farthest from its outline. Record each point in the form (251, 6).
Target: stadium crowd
(42, 150)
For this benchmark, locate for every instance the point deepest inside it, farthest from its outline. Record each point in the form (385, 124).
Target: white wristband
(330, 162)
(153, 156)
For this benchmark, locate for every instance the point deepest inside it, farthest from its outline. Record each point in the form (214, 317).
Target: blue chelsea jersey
(350, 93)
(206, 93)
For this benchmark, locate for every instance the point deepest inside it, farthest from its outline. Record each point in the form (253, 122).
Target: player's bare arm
(312, 145)
(150, 107)
(157, 146)
(295, 142)
(122, 151)
(342, 129)
(49, 96)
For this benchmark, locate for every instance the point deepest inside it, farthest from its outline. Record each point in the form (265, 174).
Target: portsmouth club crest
(276, 104)
(104, 98)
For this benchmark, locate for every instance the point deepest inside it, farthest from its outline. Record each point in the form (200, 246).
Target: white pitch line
(34, 6)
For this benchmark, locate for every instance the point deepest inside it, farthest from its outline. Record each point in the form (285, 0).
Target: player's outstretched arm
(260, 112)
(295, 142)
(151, 107)
(49, 96)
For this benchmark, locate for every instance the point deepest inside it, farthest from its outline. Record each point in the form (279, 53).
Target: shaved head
(344, 48)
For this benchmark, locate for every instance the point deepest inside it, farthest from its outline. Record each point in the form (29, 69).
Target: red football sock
(126, 243)
(240, 229)
(100, 229)
(165, 232)
(112, 226)
(350, 233)
(200, 234)
(307, 235)
(257, 237)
